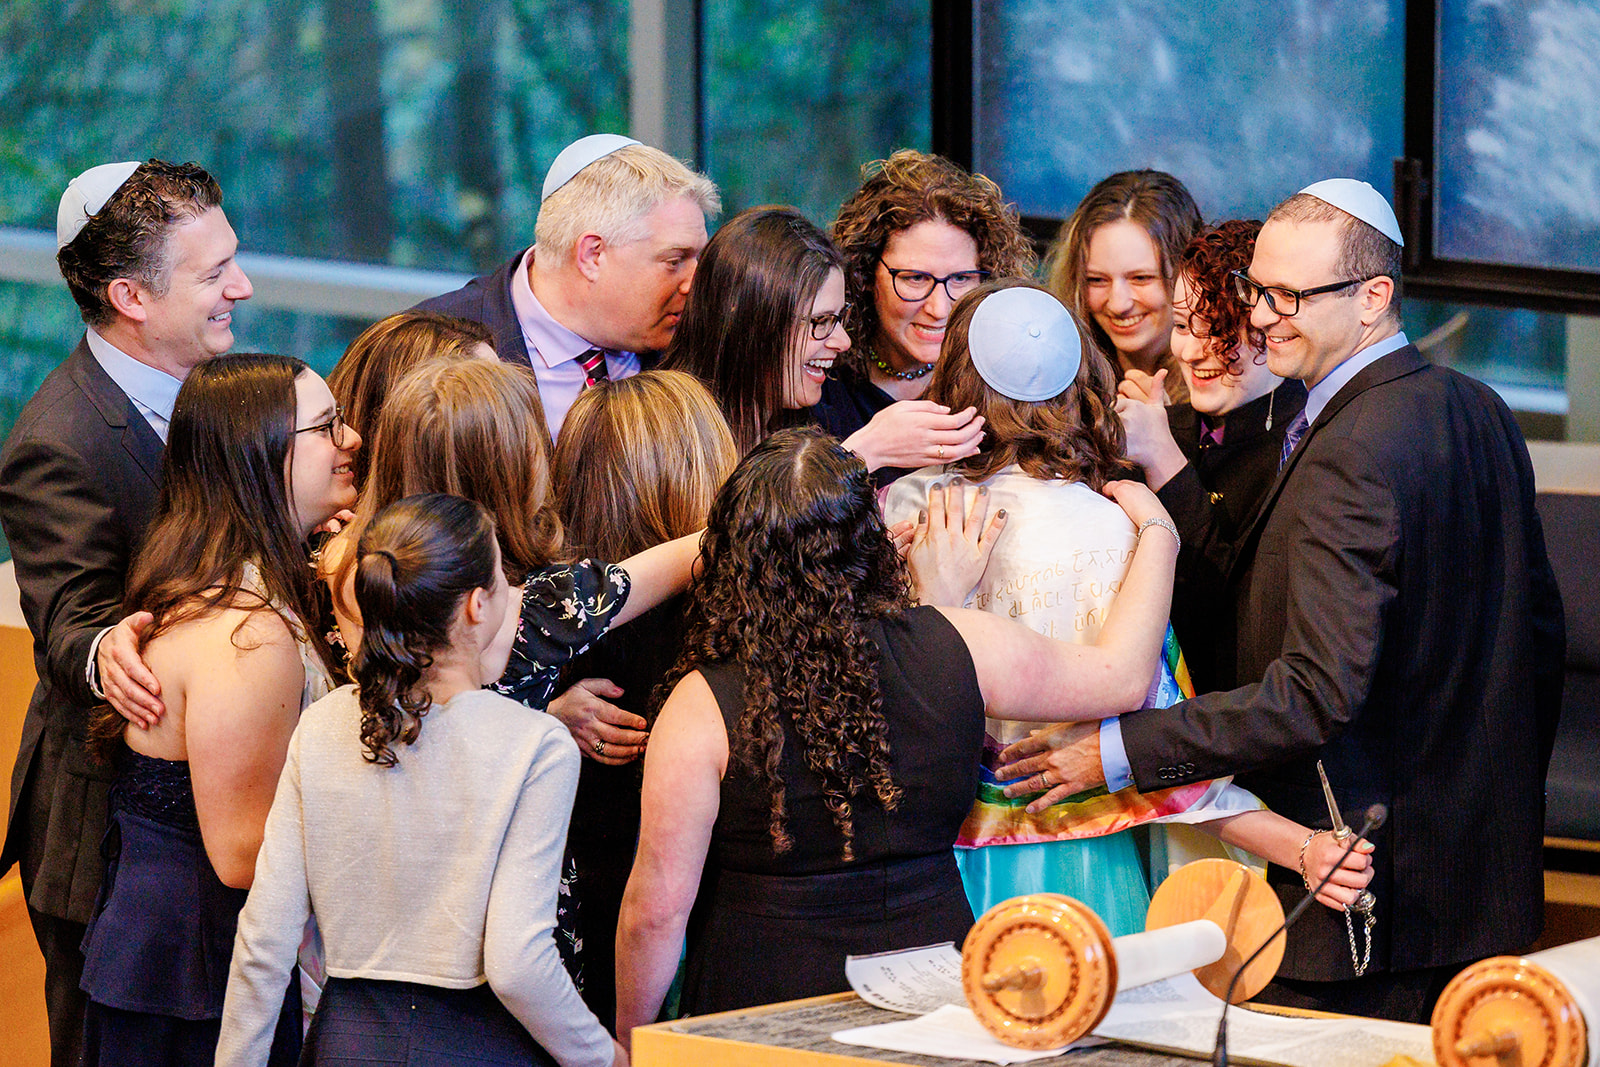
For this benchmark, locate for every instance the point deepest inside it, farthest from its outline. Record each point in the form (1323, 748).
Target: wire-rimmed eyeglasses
(334, 428)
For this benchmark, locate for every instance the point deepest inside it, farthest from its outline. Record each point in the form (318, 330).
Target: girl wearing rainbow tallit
(1052, 443)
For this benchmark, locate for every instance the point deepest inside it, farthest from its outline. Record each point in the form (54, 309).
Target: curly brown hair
(1075, 435)
(897, 193)
(796, 559)
(1206, 266)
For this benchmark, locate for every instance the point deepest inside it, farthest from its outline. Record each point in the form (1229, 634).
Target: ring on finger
(1044, 782)
(599, 747)
(941, 451)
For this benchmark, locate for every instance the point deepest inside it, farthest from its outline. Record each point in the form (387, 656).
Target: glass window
(1517, 139)
(1244, 103)
(796, 96)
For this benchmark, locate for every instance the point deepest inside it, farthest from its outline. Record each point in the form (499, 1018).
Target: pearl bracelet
(1164, 524)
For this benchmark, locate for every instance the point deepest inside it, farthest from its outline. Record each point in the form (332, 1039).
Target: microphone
(1376, 815)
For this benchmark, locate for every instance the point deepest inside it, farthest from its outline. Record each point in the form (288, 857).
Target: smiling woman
(256, 458)
(764, 323)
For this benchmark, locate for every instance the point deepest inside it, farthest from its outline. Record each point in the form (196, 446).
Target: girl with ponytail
(420, 818)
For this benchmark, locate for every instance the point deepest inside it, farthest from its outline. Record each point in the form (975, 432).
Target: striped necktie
(593, 363)
(1291, 437)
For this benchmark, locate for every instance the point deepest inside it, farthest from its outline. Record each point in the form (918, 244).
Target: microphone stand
(1375, 818)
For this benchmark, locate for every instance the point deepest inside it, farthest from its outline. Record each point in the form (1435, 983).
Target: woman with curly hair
(1210, 460)
(377, 359)
(1114, 263)
(257, 457)
(432, 933)
(918, 234)
(1054, 442)
(809, 771)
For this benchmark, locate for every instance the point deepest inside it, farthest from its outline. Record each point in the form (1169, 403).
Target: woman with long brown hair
(667, 451)
(818, 751)
(382, 354)
(1114, 264)
(256, 458)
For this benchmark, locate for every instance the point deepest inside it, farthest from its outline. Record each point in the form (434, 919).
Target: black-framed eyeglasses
(1281, 297)
(334, 428)
(914, 285)
(822, 326)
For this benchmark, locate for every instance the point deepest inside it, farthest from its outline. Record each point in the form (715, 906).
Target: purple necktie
(1297, 430)
(593, 363)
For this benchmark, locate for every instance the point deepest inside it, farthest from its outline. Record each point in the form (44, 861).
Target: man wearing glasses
(1399, 620)
(149, 258)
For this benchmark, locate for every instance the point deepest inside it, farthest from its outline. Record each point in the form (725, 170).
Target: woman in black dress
(808, 774)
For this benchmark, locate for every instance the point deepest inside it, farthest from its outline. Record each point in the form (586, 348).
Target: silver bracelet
(1164, 524)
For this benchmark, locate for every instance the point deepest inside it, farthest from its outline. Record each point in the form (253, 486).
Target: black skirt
(365, 1021)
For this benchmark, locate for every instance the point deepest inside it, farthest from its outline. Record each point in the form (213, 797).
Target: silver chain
(1360, 960)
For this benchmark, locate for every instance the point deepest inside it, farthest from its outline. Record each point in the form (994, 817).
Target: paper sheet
(950, 1031)
(1174, 1014)
(915, 981)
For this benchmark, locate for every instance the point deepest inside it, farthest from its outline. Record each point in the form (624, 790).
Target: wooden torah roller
(1040, 971)
(1520, 1012)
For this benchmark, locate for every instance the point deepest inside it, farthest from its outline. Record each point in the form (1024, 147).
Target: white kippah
(1361, 200)
(1024, 344)
(87, 194)
(579, 154)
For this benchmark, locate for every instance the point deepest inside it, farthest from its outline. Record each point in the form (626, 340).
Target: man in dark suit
(620, 229)
(1396, 606)
(149, 258)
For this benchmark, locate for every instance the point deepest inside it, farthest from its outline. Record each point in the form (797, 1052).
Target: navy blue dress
(157, 950)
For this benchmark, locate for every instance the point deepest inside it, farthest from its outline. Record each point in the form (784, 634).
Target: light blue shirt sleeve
(1114, 755)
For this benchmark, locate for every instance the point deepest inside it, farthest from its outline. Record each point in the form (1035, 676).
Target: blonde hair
(473, 429)
(639, 461)
(367, 372)
(612, 196)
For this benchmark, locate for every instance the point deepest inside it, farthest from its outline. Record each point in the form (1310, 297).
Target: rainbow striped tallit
(998, 820)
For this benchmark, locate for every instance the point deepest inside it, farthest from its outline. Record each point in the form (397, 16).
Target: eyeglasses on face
(335, 428)
(822, 326)
(916, 285)
(1282, 300)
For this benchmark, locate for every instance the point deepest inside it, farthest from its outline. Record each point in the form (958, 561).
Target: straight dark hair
(756, 281)
(415, 562)
(225, 503)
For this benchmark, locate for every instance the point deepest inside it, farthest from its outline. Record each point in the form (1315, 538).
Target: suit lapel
(1387, 368)
(138, 439)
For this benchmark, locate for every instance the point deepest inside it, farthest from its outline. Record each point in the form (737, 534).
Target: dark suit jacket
(79, 476)
(487, 299)
(1213, 500)
(1396, 604)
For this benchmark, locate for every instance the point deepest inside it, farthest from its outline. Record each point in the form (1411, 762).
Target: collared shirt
(152, 391)
(1318, 395)
(554, 350)
(1113, 753)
